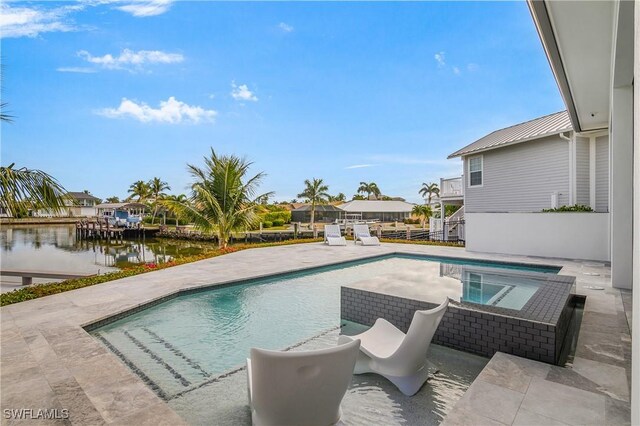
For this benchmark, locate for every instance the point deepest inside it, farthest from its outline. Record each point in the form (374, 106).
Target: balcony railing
(451, 187)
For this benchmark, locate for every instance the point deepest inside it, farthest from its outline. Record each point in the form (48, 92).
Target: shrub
(412, 221)
(267, 224)
(579, 208)
(278, 222)
(283, 215)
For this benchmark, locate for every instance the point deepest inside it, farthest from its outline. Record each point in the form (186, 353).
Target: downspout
(572, 166)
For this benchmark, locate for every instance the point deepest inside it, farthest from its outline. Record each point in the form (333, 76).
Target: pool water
(183, 343)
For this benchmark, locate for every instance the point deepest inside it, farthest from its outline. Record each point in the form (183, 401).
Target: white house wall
(521, 178)
(563, 235)
(602, 174)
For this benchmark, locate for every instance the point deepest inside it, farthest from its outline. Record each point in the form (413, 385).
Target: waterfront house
(77, 204)
(377, 210)
(512, 175)
(82, 204)
(327, 213)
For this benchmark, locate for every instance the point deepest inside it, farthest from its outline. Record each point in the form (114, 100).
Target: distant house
(323, 213)
(84, 204)
(512, 174)
(108, 209)
(77, 204)
(383, 211)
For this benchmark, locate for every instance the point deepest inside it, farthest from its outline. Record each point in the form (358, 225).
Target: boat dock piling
(101, 229)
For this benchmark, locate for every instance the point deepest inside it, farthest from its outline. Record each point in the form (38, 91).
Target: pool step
(157, 361)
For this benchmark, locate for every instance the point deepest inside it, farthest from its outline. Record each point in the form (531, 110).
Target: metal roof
(376, 206)
(548, 125)
(82, 196)
(319, 208)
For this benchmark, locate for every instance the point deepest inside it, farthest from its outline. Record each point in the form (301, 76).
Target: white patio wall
(564, 235)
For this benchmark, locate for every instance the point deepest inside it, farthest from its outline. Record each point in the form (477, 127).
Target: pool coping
(93, 325)
(46, 350)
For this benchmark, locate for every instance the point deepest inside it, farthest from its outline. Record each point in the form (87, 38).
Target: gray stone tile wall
(465, 328)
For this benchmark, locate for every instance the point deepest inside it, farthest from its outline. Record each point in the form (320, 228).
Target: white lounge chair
(400, 358)
(333, 236)
(300, 388)
(361, 233)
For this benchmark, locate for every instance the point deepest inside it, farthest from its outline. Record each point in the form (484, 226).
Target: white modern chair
(401, 358)
(333, 236)
(300, 388)
(361, 233)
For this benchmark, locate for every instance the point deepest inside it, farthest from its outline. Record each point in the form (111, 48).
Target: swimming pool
(186, 341)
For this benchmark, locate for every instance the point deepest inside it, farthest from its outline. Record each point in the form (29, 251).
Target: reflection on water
(56, 248)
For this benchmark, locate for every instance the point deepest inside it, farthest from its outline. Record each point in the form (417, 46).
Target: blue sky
(107, 92)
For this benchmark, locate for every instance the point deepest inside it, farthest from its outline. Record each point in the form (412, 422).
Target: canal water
(56, 248)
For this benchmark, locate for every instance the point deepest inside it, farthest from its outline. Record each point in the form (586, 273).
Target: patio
(49, 361)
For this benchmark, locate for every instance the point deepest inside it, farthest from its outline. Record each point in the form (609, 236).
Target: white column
(592, 172)
(621, 187)
(635, 350)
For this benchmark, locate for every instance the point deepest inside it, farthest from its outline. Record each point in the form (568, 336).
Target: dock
(28, 276)
(102, 230)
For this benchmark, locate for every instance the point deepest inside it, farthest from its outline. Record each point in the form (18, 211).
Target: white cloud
(83, 70)
(129, 59)
(405, 159)
(472, 67)
(359, 166)
(242, 93)
(286, 28)
(170, 111)
(32, 21)
(144, 8)
(439, 57)
(456, 70)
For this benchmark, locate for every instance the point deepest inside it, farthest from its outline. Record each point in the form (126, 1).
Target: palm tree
(428, 190)
(156, 186)
(369, 188)
(182, 199)
(23, 189)
(222, 199)
(315, 192)
(337, 198)
(139, 189)
(422, 211)
(113, 199)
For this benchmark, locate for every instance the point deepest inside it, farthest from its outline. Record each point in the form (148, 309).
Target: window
(475, 171)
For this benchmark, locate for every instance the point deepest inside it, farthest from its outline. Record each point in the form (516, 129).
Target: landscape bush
(283, 215)
(412, 221)
(576, 208)
(267, 224)
(278, 222)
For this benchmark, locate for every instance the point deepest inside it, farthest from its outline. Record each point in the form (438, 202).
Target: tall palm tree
(422, 211)
(223, 199)
(429, 190)
(369, 188)
(23, 189)
(139, 189)
(156, 188)
(315, 192)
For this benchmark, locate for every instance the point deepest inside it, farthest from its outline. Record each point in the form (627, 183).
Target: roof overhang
(577, 38)
(503, 145)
